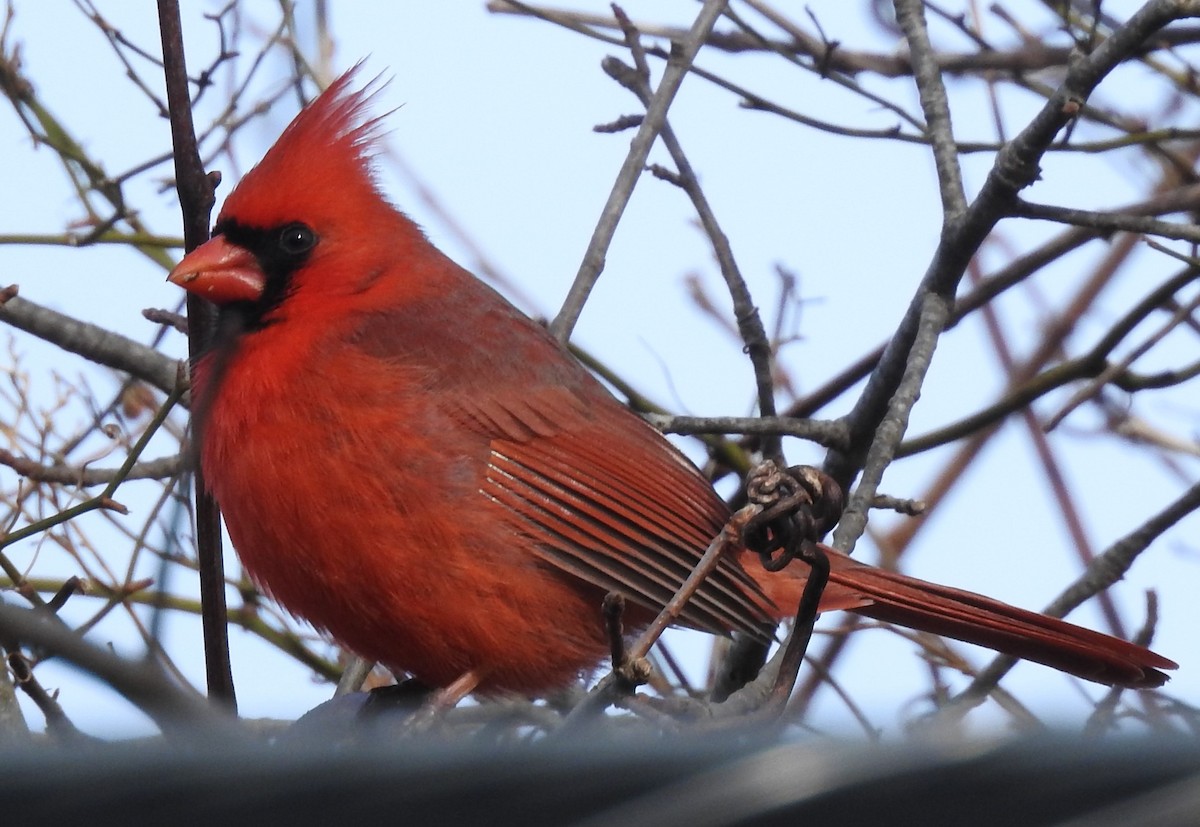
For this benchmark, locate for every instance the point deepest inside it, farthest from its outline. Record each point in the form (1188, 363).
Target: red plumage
(410, 463)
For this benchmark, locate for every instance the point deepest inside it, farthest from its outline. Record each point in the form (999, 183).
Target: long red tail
(962, 615)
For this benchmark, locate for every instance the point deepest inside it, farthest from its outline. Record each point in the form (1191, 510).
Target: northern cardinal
(407, 461)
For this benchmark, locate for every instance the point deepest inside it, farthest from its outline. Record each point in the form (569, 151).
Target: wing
(604, 497)
(597, 492)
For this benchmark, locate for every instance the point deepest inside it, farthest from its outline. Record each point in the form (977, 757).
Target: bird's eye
(296, 239)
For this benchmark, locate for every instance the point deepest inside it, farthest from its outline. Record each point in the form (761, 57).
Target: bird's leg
(448, 696)
(443, 699)
(354, 675)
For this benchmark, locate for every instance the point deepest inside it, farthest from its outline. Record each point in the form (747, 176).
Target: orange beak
(220, 272)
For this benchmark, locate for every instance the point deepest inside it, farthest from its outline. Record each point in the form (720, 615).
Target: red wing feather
(634, 526)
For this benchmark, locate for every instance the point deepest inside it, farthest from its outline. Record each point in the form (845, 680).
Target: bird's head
(302, 221)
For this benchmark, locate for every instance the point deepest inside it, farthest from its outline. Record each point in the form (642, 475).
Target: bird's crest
(321, 163)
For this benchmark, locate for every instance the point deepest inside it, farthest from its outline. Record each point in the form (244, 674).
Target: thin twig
(1093, 387)
(830, 433)
(155, 469)
(749, 322)
(1015, 168)
(612, 685)
(1108, 222)
(631, 170)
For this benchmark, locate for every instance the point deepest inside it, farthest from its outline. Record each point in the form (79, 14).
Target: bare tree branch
(196, 199)
(631, 169)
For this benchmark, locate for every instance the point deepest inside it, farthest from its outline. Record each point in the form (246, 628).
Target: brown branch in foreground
(729, 537)
(790, 510)
(196, 200)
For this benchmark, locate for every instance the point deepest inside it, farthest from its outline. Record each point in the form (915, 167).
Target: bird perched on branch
(411, 464)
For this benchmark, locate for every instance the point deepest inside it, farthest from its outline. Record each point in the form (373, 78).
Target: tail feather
(973, 618)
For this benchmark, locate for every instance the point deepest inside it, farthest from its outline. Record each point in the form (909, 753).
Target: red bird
(407, 461)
